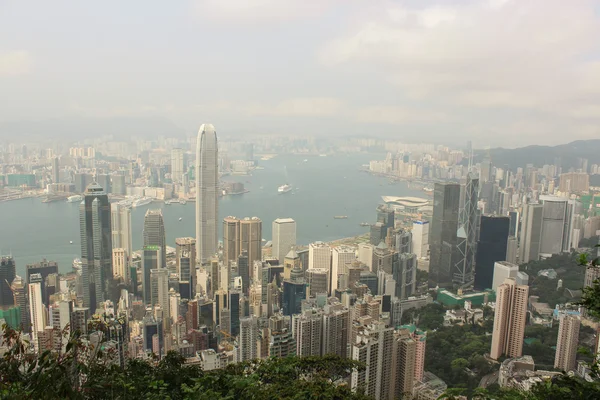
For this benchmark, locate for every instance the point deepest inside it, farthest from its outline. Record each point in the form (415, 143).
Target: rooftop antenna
(470, 150)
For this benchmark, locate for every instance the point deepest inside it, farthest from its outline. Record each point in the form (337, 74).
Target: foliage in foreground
(84, 374)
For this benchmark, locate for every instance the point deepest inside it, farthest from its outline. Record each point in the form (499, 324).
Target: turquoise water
(323, 187)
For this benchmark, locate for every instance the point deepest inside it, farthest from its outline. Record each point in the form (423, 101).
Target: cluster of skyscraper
(247, 299)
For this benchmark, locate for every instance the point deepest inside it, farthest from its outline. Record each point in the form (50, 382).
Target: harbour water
(323, 187)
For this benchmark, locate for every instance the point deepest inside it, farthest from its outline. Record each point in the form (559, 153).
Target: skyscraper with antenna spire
(207, 182)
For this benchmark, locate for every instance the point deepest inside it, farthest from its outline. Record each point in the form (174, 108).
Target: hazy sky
(502, 72)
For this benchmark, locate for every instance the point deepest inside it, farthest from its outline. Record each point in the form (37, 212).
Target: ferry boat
(340, 217)
(365, 224)
(284, 188)
(74, 199)
(141, 202)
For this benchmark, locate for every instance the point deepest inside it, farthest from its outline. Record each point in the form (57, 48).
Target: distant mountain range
(568, 155)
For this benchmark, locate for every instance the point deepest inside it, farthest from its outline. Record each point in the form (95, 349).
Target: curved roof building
(405, 201)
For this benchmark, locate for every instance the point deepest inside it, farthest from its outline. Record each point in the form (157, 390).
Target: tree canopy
(81, 373)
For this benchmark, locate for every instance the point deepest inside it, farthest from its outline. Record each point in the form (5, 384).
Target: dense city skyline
(464, 241)
(390, 200)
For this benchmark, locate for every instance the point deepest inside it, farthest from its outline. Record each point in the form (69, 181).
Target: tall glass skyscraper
(7, 275)
(464, 269)
(207, 181)
(493, 241)
(96, 245)
(444, 225)
(154, 233)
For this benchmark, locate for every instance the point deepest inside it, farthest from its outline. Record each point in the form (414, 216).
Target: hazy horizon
(500, 73)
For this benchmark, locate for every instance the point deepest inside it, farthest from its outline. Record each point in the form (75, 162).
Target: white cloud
(15, 63)
(260, 11)
(500, 54)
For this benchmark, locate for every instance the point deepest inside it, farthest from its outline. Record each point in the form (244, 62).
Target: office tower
(104, 181)
(251, 238)
(177, 165)
(383, 258)
(159, 293)
(303, 254)
(118, 185)
(556, 225)
(55, 170)
(7, 275)
(19, 290)
(342, 257)
(404, 272)
(37, 311)
(151, 259)
(374, 348)
(152, 331)
(365, 254)
(121, 228)
(401, 241)
(420, 238)
(531, 233)
(511, 250)
(247, 340)
(370, 280)
(294, 291)
(317, 280)
(154, 233)
(231, 239)
(442, 239)
(82, 181)
(502, 271)
(386, 216)
(207, 185)
(509, 319)
(336, 329)
(234, 311)
(120, 264)
(244, 271)
(44, 268)
(187, 246)
(96, 245)
(466, 234)
(308, 328)
(513, 229)
(404, 352)
(485, 171)
(567, 342)
(377, 233)
(291, 261)
(284, 237)
(319, 256)
(574, 182)
(492, 247)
